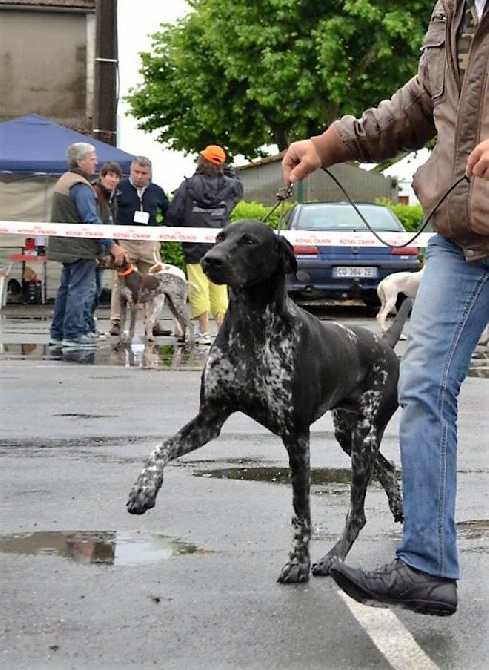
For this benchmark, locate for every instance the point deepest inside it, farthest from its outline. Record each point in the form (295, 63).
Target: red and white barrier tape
(167, 234)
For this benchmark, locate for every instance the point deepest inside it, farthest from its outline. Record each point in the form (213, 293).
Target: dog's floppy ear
(287, 252)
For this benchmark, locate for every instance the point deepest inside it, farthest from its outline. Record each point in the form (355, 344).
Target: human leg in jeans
(75, 290)
(90, 323)
(449, 314)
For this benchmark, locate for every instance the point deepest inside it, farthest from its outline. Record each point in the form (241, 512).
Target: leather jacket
(436, 103)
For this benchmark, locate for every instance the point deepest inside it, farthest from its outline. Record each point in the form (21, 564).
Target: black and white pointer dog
(285, 368)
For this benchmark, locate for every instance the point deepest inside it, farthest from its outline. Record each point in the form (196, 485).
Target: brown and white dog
(149, 291)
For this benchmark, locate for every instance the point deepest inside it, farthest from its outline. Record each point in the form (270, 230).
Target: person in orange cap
(205, 200)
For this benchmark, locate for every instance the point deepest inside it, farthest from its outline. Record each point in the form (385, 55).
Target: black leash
(286, 191)
(282, 195)
(424, 224)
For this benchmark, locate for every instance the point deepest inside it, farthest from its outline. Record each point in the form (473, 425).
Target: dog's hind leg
(386, 474)
(299, 563)
(178, 309)
(360, 430)
(152, 310)
(200, 430)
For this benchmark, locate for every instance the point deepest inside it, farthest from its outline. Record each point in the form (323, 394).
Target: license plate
(355, 272)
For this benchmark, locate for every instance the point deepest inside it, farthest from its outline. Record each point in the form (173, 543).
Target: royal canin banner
(168, 234)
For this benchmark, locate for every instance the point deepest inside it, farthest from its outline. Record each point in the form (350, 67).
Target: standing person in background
(449, 99)
(74, 202)
(105, 188)
(205, 200)
(138, 202)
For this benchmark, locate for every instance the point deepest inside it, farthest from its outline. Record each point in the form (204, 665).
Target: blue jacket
(154, 199)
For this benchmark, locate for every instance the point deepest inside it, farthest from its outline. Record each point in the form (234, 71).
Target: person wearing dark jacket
(139, 200)
(105, 187)
(74, 202)
(205, 200)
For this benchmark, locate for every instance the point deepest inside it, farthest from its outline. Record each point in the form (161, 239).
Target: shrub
(411, 216)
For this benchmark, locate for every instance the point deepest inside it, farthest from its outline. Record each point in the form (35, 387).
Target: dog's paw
(295, 572)
(322, 568)
(142, 496)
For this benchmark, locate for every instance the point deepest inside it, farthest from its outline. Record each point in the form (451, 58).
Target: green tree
(250, 74)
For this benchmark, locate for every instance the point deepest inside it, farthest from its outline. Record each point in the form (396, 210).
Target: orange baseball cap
(214, 154)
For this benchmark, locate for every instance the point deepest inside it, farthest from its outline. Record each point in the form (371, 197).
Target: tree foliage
(252, 74)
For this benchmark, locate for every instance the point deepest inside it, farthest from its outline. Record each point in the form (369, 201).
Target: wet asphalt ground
(192, 583)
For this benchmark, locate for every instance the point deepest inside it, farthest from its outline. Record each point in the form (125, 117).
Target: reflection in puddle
(137, 355)
(97, 547)
(474, 528)
(479, 365)
(279, 475)
(323, 480)
(473, 536)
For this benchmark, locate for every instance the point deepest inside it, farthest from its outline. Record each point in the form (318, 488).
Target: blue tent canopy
(32, 144)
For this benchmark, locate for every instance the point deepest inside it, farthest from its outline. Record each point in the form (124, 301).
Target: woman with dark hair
(105, 188)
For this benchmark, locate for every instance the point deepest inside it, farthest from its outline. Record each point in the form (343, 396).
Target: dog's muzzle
(215, 267)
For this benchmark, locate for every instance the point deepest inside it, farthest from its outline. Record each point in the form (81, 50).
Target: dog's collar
(124, 273)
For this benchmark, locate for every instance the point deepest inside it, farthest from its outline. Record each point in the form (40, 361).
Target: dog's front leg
(203, 428)
(299, 563)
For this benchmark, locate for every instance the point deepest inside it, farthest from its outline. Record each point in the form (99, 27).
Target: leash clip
(284, 192)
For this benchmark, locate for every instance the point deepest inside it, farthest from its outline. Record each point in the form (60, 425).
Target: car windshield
(343, 217)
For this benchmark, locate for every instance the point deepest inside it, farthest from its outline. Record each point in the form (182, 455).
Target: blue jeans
(90, 325)
(450, 312)
(74, 294)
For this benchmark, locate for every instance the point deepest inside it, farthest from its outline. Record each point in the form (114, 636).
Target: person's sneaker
(55, 342)
(158, 331)
(204, 338)
(97, 335)
(397, 584)
(80, 341)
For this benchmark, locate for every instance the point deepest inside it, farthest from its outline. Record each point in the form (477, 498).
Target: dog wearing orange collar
(149, 292)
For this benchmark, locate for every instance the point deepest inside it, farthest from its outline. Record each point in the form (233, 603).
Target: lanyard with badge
(140, 216)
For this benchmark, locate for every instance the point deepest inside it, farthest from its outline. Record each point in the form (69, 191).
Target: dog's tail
(394, 332)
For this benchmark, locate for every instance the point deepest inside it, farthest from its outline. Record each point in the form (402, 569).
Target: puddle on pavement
(323, 480)
(474, 528)
(97, 547)
(148, 356)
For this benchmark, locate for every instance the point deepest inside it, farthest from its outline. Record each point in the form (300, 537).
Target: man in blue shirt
(139, 201)
(74, 202)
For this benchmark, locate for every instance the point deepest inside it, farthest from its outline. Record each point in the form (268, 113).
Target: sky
(137, 20)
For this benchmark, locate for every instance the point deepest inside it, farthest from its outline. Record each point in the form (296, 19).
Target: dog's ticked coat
(284, 368)
(150, 290)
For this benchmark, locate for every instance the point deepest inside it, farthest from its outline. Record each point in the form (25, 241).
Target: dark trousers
(75, 293)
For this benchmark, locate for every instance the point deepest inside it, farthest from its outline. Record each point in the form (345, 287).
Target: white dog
(408, 284)
(390, 287)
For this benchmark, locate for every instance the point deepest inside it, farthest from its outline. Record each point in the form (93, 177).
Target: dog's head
(248, 252)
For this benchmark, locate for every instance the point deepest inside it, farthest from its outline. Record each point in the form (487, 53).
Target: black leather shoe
(116, 329)
(396, 584)
(158, 331)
